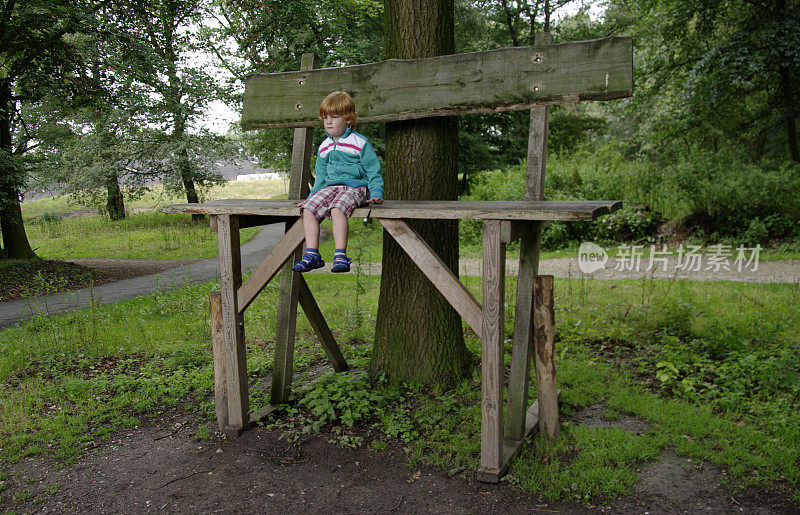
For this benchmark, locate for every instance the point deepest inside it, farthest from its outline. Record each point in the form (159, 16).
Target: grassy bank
(710, 367)
(58, 228)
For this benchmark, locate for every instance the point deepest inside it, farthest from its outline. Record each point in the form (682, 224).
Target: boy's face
(335, 124)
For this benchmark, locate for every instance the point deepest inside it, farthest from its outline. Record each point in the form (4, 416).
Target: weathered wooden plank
(218, 351)
(324, 333)
(437, 271)
(271, 264)
(477, 82)
(230, 267)
(523, 328)
(421, 209)
(545, 332)
(492, 336)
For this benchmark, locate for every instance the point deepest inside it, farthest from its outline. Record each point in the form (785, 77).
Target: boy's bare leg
(340, 228)
(311, 227)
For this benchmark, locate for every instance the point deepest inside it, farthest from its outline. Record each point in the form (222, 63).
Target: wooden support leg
(492, 336)
(218, 348)
(230, 266)
(285, 332)
(324, 333)
(517, 403)
(544, 322)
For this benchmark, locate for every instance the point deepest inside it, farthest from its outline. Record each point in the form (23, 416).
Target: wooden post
(545, 331)
(537, 139)
(300, 172)
(230, 268)
(524, 332)
(492, 336)
(218, 349)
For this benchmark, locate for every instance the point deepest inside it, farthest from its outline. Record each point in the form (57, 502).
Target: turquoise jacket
(351, 161)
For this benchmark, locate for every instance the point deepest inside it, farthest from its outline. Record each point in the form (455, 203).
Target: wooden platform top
(425, 209)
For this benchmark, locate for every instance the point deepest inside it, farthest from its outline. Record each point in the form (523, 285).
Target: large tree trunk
(15, 241)
(418, 334)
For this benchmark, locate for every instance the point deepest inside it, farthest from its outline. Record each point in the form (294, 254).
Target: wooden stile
(497, 80)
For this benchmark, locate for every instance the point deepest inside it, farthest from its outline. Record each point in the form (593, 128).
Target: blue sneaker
(308, 263)
(341, 263)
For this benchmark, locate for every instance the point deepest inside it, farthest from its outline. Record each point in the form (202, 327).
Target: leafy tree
(718, 74)
(102, 136)
(163, 57)
(36, 56)
(269, 36)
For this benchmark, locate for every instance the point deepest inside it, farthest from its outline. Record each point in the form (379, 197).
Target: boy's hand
(375, 200)
(299, 204)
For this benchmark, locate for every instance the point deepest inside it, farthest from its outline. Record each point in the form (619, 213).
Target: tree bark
(115, 202)
(15, 240)
(418, 335)
(789, 113)
(178, 115)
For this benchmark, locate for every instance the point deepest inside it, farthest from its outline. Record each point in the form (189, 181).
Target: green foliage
(727, 195)
(342, 399)
(713, 75)
(628, 224)
(587, 174)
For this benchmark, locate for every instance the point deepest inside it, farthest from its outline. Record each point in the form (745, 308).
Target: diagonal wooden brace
(271, 265)
(436, 270)
(324, 333)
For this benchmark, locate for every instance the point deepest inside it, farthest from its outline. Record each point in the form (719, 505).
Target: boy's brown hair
(341, 104)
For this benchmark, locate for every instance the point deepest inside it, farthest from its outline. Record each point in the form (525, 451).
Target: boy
(348, 175)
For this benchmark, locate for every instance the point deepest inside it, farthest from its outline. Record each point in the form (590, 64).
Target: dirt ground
(163, 466)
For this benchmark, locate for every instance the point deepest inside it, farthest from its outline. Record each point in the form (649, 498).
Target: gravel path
(141, 277)
(164, 275)
(765, 272)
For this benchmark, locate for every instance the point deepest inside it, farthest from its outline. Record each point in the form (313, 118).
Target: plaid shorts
(345, 198)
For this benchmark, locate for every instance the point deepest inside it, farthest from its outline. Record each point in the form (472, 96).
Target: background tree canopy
(106, 95)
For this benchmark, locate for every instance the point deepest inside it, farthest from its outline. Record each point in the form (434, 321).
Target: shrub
(629, 223)
(730, 197)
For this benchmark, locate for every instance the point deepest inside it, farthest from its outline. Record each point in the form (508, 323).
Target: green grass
(55, 233)
(140, 236)
(731, 399)
(157, 197)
